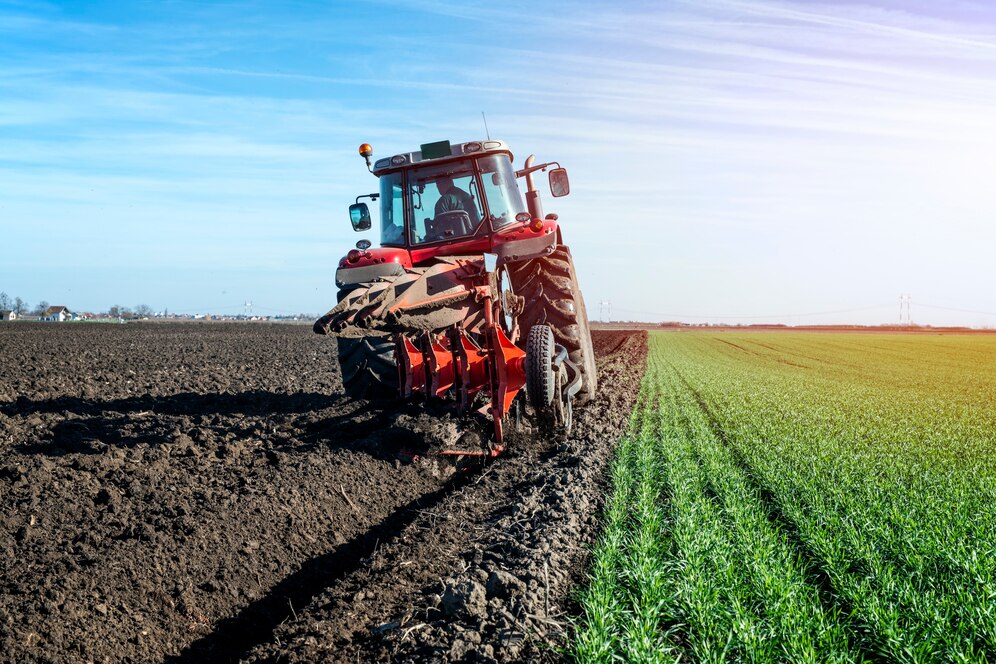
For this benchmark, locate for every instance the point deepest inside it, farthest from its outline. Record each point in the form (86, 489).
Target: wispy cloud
(747, 155)
(864, 19)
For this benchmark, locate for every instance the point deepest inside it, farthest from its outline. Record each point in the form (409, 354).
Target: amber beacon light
(366, 151)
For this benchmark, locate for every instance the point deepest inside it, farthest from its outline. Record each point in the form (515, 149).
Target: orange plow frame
(434, 364)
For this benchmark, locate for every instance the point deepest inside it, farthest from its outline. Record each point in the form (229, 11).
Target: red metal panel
(411, 366)
(377, 255)
(523, 231)
(474, 245)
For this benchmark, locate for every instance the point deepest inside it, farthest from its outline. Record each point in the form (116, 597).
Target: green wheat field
(802, 497)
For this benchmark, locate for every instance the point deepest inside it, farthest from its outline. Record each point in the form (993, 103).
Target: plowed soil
(181, 492)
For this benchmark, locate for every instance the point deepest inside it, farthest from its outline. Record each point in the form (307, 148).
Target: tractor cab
(446, 194)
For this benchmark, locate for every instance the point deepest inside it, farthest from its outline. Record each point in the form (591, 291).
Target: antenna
(486, 126)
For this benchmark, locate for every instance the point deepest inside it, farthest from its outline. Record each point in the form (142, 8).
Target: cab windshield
(449, 200)
(445, 202)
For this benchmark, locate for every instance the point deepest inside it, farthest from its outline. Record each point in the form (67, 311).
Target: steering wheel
(452, 223)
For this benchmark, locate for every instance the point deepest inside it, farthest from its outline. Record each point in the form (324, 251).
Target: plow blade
(442, 369)
(411, 367)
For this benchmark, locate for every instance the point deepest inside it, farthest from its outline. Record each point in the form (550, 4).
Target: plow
(471, 298)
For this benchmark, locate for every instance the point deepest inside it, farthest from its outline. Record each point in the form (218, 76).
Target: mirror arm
(537, 167)
(372, 197)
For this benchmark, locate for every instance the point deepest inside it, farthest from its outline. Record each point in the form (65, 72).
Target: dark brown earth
(203, 493)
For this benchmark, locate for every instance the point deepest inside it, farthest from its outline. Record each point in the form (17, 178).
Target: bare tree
(20, 306)
(115, 311)
(143, 311)
(5, 301)
(41, 308)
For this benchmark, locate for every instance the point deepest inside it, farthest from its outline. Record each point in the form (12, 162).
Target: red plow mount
(440, 363)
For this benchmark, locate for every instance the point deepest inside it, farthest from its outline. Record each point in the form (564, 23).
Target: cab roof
(438, 152)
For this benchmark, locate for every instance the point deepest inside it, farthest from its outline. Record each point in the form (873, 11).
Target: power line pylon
(905, 309)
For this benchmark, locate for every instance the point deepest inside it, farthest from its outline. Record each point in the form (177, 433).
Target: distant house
(57, 314)
(7, 314)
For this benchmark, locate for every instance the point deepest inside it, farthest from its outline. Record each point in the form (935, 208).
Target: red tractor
(472, 295)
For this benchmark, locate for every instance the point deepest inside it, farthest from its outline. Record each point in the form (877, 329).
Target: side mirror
(559, 184)
(359, 215)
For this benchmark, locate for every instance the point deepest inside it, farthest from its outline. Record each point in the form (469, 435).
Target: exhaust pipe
(533, 203)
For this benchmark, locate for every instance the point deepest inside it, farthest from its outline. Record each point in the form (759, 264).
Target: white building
(7, 314)
(57, 314)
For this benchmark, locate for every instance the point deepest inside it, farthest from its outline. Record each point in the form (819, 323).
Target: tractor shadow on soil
(286, 423)
(251, 403)
(234, 638)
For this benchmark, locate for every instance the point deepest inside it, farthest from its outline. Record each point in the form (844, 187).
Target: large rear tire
(552, 296)
(368, 367)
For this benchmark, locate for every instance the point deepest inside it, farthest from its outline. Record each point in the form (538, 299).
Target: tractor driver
(451, 197)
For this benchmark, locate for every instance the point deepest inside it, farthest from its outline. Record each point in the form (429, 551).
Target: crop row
(803, 498)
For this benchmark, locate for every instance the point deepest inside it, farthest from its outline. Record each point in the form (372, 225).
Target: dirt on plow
(185, 492)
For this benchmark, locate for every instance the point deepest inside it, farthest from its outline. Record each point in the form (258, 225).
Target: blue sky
(730, 161)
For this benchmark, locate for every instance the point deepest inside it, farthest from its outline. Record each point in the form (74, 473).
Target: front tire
(552, 297)
(541, 381)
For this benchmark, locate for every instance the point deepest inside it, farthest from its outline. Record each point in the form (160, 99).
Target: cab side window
(392, 210)
(504, 199)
